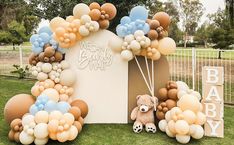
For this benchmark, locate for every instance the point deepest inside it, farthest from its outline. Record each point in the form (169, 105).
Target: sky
(211, 6)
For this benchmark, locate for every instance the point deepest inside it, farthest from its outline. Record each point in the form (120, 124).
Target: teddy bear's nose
(142, 109)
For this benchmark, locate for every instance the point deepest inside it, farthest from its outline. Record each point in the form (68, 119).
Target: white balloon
(182, 86)
(39, 64)
(46, 67)
(168, 116)
(85, 19)
(181, 93)
(25, 138)
(83, 31)
(170, 134)
(183, 138)
(95, 25)
(64, 64)
(199, 132)
(129, 38)
(41, 130)
(135, 46)
(42, 141)
(115, 43)
(127, 55)
(80, 10)
(162, 125)
(138, 33)
(42, 76)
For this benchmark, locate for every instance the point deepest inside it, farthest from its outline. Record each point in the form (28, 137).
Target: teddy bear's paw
(150, 127)
(137, 127)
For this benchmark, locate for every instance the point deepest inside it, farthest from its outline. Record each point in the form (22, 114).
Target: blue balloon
(37, 50)
(138, 12)
(45, 29)
(43, 97)
(125, 20)
(33, 109)
(36, 44)
(146, 28)
(45, 37)
(120, 30)
(54, 43)
(50, 106)
(62, 50)
(34, 38)
(63, 106)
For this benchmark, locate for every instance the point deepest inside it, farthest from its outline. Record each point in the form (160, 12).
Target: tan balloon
(35, 91)
(189, 102)
(95, 14)
(53, 135)
(63, 136)
(17, 106)
(181, 127)
(78, 125)
(75, 111)
(104, 24)
(57, 115)
(94, 5)
(163, 18)
(109, 9)
(73, 132)
(82, 105)
(53, 126)
(153, 34)
(56, 22)
(166, 46)
(70, 18)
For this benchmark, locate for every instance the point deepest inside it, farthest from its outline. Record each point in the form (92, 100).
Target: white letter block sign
(102, 78)
(212, 90)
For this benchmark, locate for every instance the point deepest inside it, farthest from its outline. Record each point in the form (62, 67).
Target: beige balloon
(189, 116)
(183, 138)
(166, 46)
(67, 77)
(56, 22)
(189, 102)
(171, 126)
(52, 94)
(73, 132)
(80, 10)
(181, 127)
(201, 118)
(41, 117)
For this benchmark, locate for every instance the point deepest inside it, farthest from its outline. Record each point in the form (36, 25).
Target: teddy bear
(143, 114)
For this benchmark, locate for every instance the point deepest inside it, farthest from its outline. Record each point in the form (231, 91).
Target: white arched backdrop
(103, 79)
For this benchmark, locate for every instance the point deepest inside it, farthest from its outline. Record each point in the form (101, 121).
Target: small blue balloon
(120, 30)
(125, 20)
(63, 106)
(40, 107)
(45, 37)
(45, 29)
(37, 50)
(34, 38)
(50, 106)
(146, 28)
(36, 44)
(33, 109)
(54, 43)
(43, 96)
(138, 12)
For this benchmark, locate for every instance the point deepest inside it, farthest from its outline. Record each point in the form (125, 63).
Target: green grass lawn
(107, 134)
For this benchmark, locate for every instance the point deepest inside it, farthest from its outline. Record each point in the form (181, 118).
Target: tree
(204, 32)
(230, 11)
(190, 13)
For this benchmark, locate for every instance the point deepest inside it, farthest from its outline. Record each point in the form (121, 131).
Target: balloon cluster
(136, 36)
(16, 128)
(186, 119)
(167, 97)
(44, 48)
(85, 19)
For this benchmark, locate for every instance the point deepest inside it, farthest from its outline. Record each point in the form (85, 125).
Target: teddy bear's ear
(138, 97)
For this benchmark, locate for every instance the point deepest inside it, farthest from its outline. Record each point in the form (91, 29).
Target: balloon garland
(50, 112)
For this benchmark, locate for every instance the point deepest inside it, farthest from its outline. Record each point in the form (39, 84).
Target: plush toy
(144, 114)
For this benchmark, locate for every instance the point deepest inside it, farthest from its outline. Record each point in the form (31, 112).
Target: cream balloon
(80, 10)
(129, 38)
(42, 117)
(201, 118)
(64, 64)
(127, 55)
(115, 43)
(135, 46)
(56, 22)
(42, 76)
(171, 126)
(42, 141)
(57, 115)
(35, 91)
(27, 119)
(181, 93)
(183, 138)
(198, 133)
(83, 31)
(53, 125)
(63, 136)
(41, 130)
(69, 118)
(170, 134)
(46, 67)
(26, 138)
(162, 125)
(175, 111)
(85, 19)
(181, 127)
(189, 116)
(73, 132)
(67, 77)
(168, 116)
(52, 94)
(182, 86)
(189, 102)
(166, 46)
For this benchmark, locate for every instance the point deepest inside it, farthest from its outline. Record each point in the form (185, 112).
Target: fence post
(21, 56)
(193, 66)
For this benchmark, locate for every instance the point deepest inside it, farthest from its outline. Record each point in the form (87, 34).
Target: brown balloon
(172, 94)
(49, 51)
(15, 122)
(104, 24)
(58, 56)
(171, 85)
(154, 24)
(17, 106)
(78, 125)
(82, 105)
(16, 137)
(33, 59)
(75, 111)
(160, 115)
(163, 18)
(11, 135)
(170, 103)
(41, 56)
(94, 5)
(81, 120)
(46, 45)
(153, 34)
(162, 94)
(109, 9)
(95, 14)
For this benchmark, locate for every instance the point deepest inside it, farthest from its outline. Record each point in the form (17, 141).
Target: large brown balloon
(109, 9)
(95, 14)
(94, 5)
(49, 51)
(172, 94)
(82, 105)
(75, 111)
(162, 94)
(154, 24)
(153, 34)
(17, 106)
(58, 56)
(170, 103)
(104, 24)
(163, 18)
